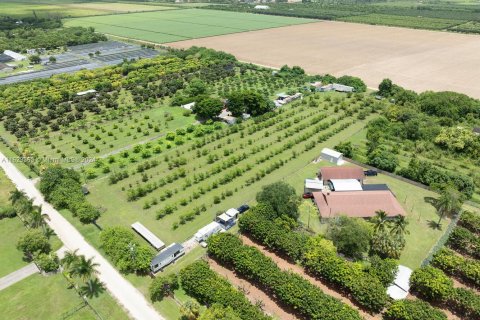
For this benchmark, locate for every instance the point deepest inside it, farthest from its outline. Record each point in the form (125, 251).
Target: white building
(401, 285)
(16, 56)
(167, 256)
(313, 185)
(82, 93)
(336, 87)
(188, 106)
(148, 235)
(345, 185)
(210, 229)
(262, 7)
(332, 156)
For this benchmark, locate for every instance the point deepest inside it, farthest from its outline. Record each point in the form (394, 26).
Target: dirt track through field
(416, 59)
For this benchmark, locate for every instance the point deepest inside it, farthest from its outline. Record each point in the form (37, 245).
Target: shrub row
(470, 221)
(290, 289)
(453, 264)
(464, 241)
(319, 257)
(207, 287)
(434, 285)
(412, 310)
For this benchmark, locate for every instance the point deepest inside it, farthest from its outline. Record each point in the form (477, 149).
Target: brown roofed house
(357, 204)
(329, 173)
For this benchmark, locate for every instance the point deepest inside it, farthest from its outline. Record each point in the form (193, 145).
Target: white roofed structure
(205, 232)
(16, 56)
(401, 285)
(188, 106)
(345, 185)
(313, 185)
(82, 93)
(148, 235)
(232, 212)
(262, 7)
(333, 156)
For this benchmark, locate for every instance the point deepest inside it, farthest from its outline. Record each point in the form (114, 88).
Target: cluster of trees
(209, 288)
(465, 241)
(34, 243)
(388, 238)
(9, 23)
(470, 221)
(21, 39)
(248, 101)
(121, 245)
(435, 286)
(62, 188)
(290, 289)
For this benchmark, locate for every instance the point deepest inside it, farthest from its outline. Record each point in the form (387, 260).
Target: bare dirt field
(416, 59)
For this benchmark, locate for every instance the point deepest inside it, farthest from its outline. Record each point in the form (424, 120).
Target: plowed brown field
(416, 59)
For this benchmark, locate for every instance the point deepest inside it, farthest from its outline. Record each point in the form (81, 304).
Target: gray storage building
(167, 256)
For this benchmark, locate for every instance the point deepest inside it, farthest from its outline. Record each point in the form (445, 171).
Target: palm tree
(190, 310)
(84, 268)
(380, 221)
(399, 226)
(449, 203)
(69, 259)
(92, 288)
(36, 218)
(16, 195)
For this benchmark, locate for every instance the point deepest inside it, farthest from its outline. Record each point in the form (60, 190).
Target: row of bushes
(434, 285)
(456, 265)
(464, 241)
(290, 289)
(208, 288)
(319, 257)
(412, 310)
(470, 221)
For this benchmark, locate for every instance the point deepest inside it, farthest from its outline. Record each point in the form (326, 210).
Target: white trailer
(210, 229)
(167, 256)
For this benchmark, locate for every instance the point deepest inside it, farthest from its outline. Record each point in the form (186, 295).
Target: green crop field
(65, 9)
(177, 25)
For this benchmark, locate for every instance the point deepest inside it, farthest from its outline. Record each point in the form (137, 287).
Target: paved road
(125, 293)
(18, 275)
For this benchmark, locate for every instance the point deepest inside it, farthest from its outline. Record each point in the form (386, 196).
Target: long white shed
(148, 235)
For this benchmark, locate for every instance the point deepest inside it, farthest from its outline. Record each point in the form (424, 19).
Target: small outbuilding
(332, 156)
(226, 116)
(225, 220)
(336, 87)
(210, 229)
(5, 58)
(262, 7)
(169, 255)
(401, 285)
(188, 106)
(15, 55)
(148, 235)
(313, 185)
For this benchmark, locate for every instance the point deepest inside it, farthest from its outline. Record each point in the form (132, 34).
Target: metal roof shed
(313, 185)
(148, 235)
(345, 185)
(332, 156)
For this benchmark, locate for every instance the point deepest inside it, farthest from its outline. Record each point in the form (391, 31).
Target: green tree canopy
(281, 197)
(33, 241)
(208, 107)
(351, 236)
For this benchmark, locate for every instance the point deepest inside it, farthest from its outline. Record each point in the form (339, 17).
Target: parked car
(370, 172)
(243, 208)
(307, 195)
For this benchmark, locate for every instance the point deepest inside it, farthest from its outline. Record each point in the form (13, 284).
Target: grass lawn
(177, 25)
(11, 229)
(40, 297)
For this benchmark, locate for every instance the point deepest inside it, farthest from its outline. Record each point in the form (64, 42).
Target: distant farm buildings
(335, 87)
(261, 7)
(14, 55)
(283, 98)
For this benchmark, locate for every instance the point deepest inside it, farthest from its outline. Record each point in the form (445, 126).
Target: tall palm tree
(399, 226)
(36, 218)
(92, 288)
(69, 259)
(84, 268)
(449, 203)
(16, 195)
(380, 221)
(190, 310)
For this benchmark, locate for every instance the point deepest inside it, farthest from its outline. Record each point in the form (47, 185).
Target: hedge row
(274, 236)
(290, 289)
(455, 265)
(434, 285)
(412, 310)
(365, 288)
(470, 221)
(208, 288)
(464, 241)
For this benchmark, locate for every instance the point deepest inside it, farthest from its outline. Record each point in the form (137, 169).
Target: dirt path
(252, 293)
(285, 265)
